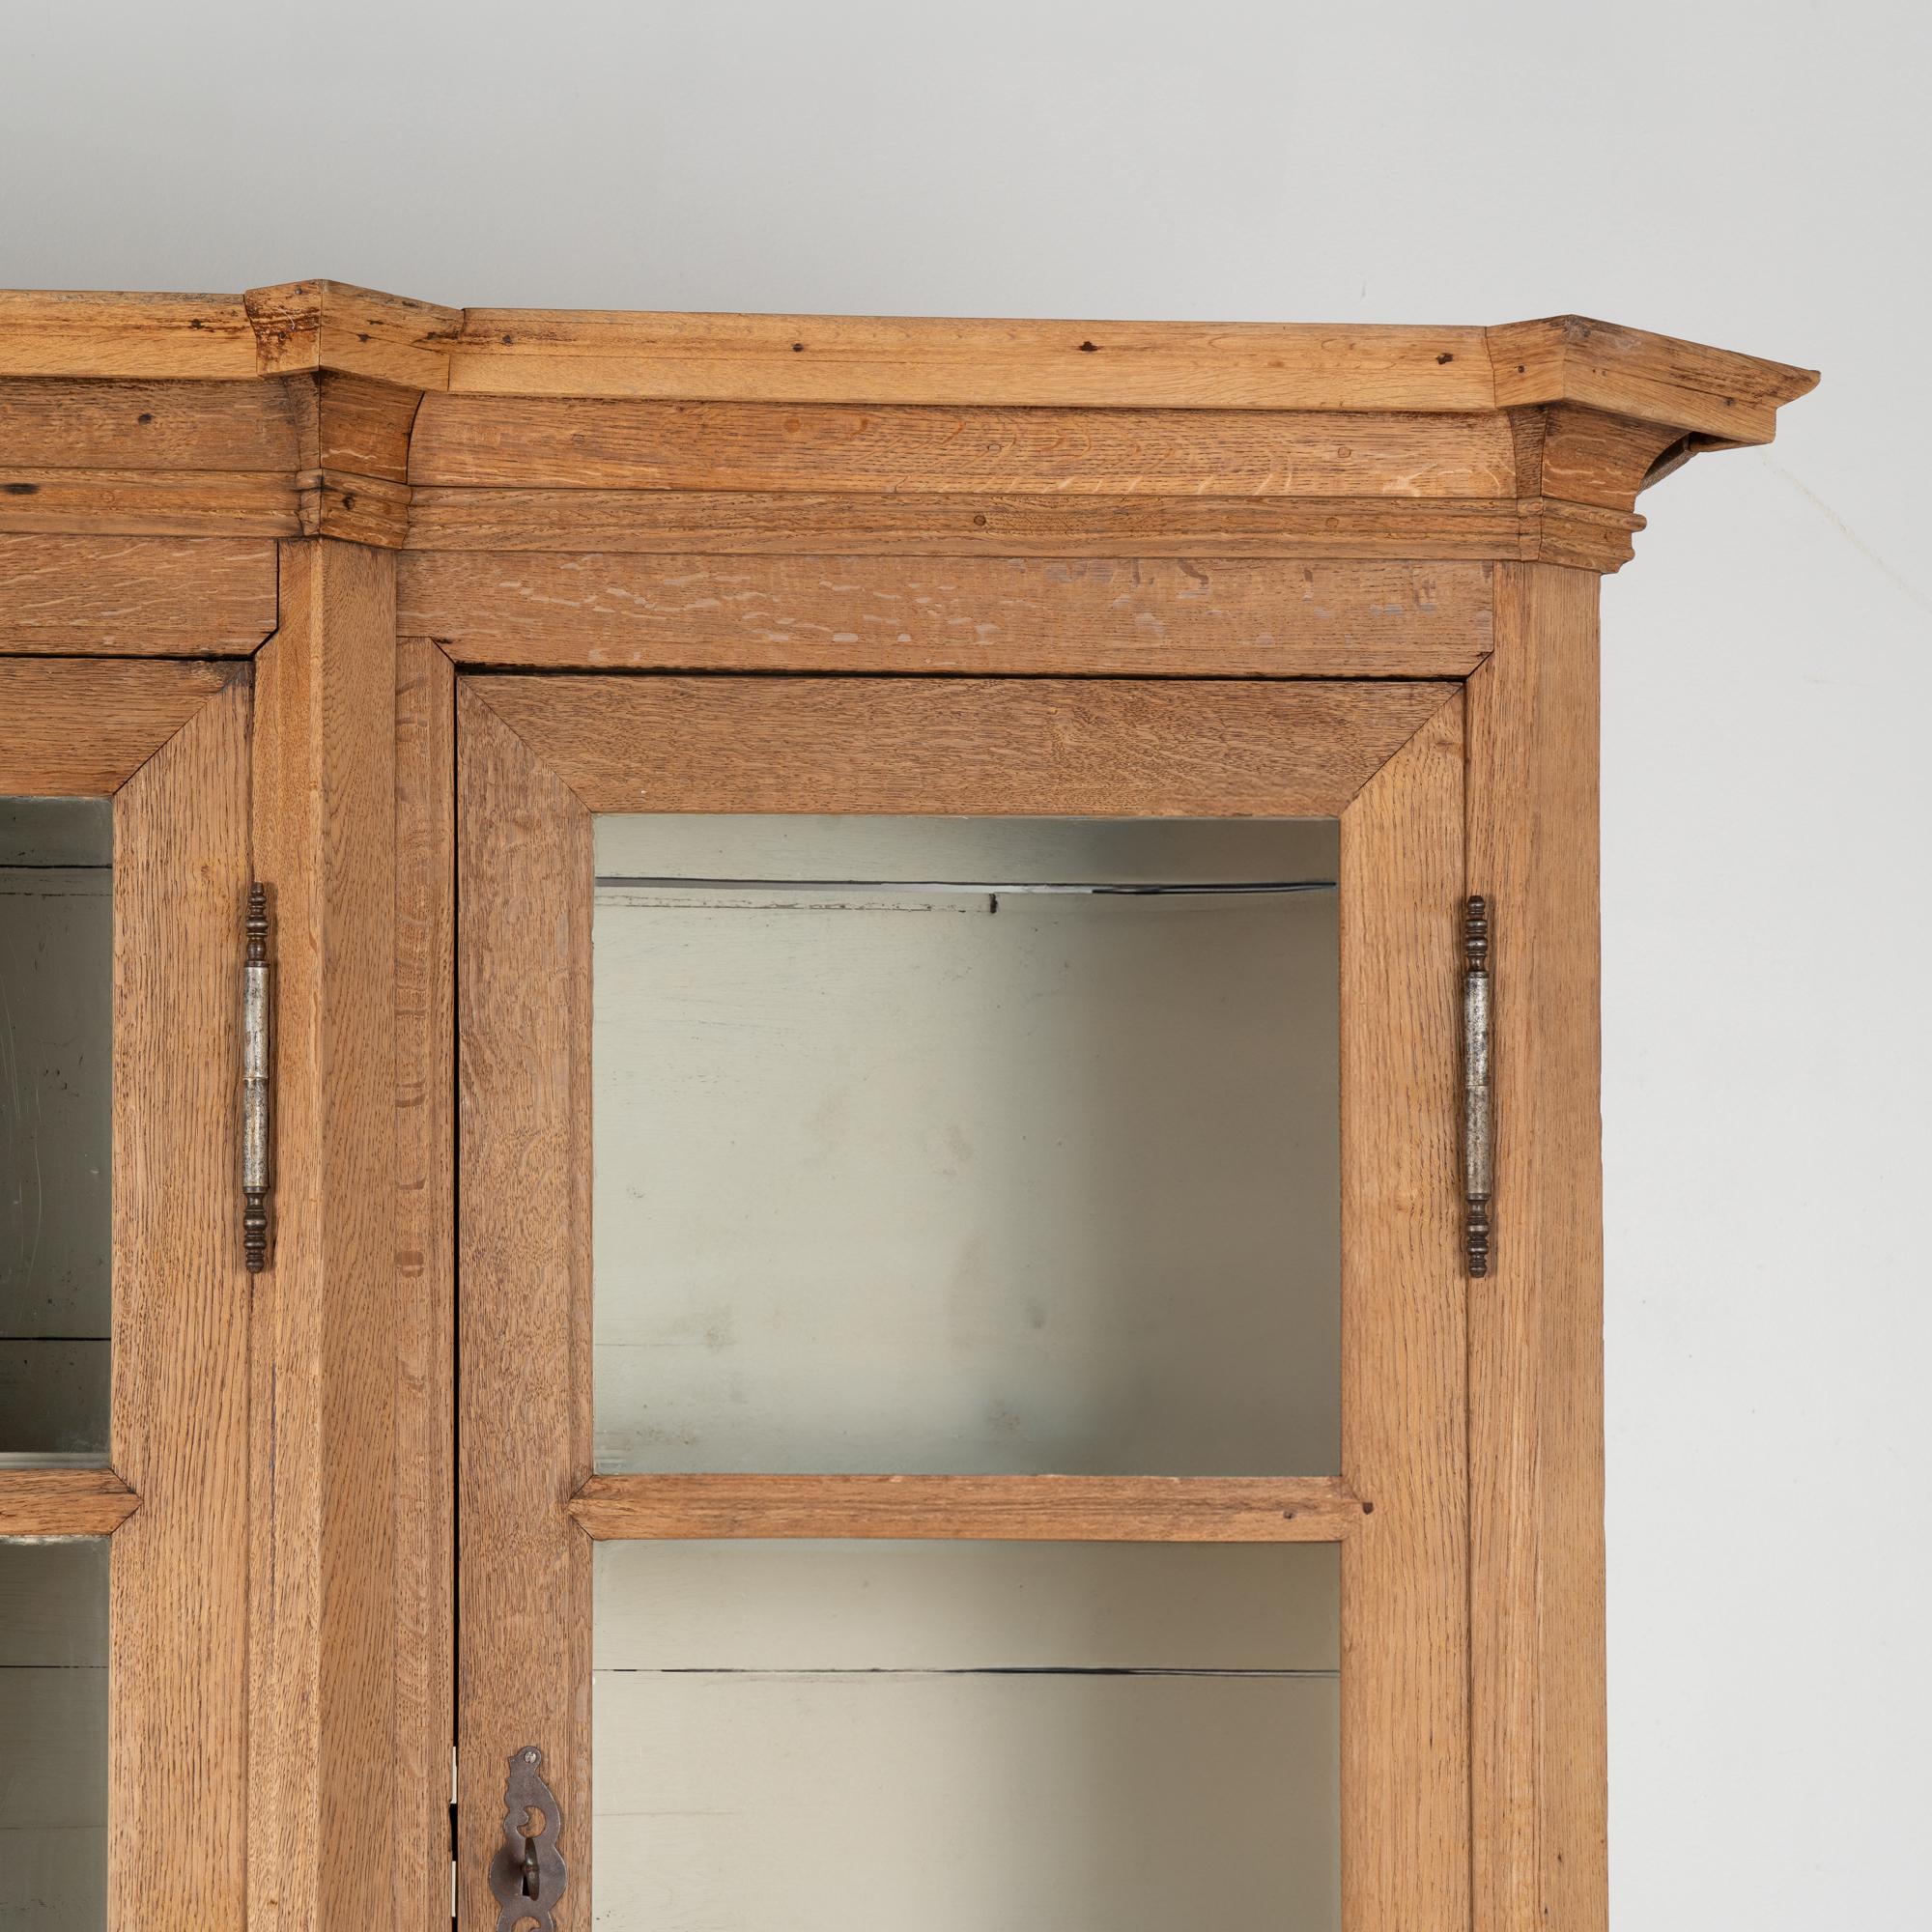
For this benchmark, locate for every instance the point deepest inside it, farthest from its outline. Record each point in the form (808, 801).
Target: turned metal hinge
(1478, 1127)
(256, 1063)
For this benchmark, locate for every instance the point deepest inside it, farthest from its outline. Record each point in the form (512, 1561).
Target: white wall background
(1751, 175)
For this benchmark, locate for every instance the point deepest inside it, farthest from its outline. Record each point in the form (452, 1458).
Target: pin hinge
(257, 1064)
(1478, 1101)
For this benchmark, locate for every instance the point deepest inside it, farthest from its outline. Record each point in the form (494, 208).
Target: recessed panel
(56, 1060)
(976, 1145)
(868, 1737)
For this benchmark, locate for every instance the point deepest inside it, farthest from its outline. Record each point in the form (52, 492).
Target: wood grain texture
(1629, 372)
(1328, 529)
(1405, 1577)
(524, 886)
(546, 443)
(358, 509)
(149, 337)
(361, 426)
(961, 524)
(1070, 1509)
(1575, 455)
(148, 425)
(1159, 365)
(178, 1759)
(151, 502)
(136, 596)
(1099, 747)
(63, 1503)
(887, 360)
(1536, 1337)
(919, 359)
(81, 727)
(425, 1277)
(324, 324)
(325, 1631)
(984, 615)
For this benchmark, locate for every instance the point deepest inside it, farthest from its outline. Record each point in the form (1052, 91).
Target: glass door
(960, 1311)
(123, 1298)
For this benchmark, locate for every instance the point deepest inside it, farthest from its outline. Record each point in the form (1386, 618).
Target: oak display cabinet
(801, 1115)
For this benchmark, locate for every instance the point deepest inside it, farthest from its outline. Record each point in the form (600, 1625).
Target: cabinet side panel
(1404, 1575)
(1536, 1342)
(180, 1575)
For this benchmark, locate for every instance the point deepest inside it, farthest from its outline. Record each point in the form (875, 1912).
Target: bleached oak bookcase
(1024, 1351)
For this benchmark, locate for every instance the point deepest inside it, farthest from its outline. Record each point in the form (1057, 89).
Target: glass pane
(53, 1722)
(868, 1737)
(893, 1176)
(56, 1056)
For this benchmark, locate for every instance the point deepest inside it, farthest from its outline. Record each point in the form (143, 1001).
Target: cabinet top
(1711, 395)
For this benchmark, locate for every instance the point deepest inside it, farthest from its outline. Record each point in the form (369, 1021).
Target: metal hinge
(1478, 1125)
(257, 1098)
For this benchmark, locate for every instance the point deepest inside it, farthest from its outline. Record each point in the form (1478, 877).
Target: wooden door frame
(536, 757)
(168, 743)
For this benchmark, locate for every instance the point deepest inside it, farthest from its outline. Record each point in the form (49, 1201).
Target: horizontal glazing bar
(1070, 1509)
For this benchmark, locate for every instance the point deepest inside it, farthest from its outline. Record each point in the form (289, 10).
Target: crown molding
(293, 410)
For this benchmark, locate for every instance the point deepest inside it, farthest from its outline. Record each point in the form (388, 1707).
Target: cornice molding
(1593, 412)
(318, 325)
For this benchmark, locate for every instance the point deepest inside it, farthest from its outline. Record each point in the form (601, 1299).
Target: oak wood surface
(1105, 748)
(1404, 1576)
(1105, 1509)
(562, 442)
(360, 426)
(1536, 1333)
(988, 615)
(524, 884)
(1169, 365)
(959, 524)
(1629, 372)
(66, 424)
(178, 1756)
(1581, 455)
(336, 326)
(883, 360)
(150, 338)
(63, 1503)
(326, 1633)
(151, 502)
(323, 325)
(81, 726)
(135, 596)
(425, 1276)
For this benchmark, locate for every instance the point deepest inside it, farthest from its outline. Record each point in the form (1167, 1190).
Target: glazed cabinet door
(123, 1299)
(962, 1332)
